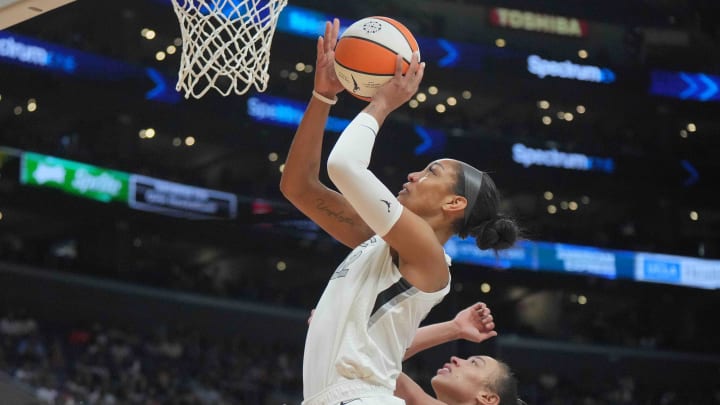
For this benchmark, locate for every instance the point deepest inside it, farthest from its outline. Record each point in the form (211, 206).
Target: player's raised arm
(422, 261)
(300, 181)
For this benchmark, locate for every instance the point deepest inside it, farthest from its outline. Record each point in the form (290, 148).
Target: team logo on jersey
(344, 267)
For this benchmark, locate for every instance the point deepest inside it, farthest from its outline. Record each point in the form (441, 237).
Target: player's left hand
(402, 87)
(475, 323)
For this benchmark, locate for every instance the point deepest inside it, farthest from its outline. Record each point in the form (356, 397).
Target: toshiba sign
(529, 21)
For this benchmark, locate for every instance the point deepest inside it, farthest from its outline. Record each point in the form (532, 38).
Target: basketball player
(476, 380)
(371, 308)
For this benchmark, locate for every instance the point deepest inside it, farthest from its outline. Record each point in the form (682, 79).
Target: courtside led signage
(26, 51)
(685, 85)
(527, 157)
(590, 260)
(529, 21)
(180, 200)
(543, 68)
(36, 54)
(285, 112)
(74, 178)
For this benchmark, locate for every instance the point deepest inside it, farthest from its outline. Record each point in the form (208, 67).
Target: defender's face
(462, 379)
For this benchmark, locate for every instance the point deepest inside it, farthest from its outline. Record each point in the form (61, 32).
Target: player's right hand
(475, 323)
(326, 81)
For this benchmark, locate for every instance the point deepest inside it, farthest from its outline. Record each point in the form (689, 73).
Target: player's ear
(455, 203)
(485, 397)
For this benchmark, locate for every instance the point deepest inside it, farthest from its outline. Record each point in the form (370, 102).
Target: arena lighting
(485, 288)
(567, 70)
(548, 195)
(527, 157)
(273, 157)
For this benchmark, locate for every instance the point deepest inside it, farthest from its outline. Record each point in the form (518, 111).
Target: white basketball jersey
(366, 319)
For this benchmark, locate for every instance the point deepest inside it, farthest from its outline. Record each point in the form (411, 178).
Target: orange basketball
(366, 52)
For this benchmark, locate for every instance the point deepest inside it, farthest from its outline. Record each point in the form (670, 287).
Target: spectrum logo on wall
(529, 21)
(527, 157)
(567, 70)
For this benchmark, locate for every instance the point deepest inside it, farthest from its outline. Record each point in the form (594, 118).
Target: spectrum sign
(529, 21)
(527, 157)
(543, 68)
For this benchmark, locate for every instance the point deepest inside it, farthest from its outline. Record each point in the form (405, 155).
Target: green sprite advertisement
(74, 178)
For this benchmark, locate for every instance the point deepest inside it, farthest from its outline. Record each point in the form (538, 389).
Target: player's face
(462, 379)
(426, 190)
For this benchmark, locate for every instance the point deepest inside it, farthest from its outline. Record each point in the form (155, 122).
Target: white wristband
(324, 99)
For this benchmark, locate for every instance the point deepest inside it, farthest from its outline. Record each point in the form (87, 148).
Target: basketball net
(226, 44)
